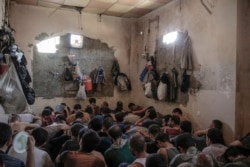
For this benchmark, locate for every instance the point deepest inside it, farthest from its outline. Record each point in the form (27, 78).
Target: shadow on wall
(49, 69)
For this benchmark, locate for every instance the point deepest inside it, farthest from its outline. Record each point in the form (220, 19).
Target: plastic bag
(161, 91)
(81, 94)
(12, 98)
(148, 91)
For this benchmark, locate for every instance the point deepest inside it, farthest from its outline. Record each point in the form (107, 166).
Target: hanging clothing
(174, 86)
(186, 57)
(100, 75)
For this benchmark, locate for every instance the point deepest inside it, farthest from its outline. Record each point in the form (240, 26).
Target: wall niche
(49, 68)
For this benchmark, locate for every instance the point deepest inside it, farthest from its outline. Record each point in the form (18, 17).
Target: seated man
(214, 124)
(235, 157)
(5, 142)
(186, 145)
(76, 114)
(203, 160)
(135, 113)
(95, 108)
(42, 158)
(166, 148)
(243, 142)
(215, 146)
(137, 110)
(72, 144)
(138, 148)
(119, 151)
(149, 118)
(174, 130)
(178, 112)
(17, 126)
(48, 116)
(153, 130)
(83, 157)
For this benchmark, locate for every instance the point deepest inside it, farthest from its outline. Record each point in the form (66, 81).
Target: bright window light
(76, 41)
(170, 37)
(48, 45)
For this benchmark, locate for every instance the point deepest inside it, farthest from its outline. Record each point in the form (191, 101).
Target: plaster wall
(29, 22)
(214, 52)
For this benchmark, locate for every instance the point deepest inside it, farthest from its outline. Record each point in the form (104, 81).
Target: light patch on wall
(170, 37)
(48, 45)
(76, 41)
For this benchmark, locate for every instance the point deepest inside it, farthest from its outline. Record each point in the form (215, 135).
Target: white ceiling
(118, 8)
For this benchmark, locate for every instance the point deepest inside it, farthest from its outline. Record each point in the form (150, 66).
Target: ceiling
(118, 8)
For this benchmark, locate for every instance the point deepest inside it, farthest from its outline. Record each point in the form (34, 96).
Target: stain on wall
(48, 69)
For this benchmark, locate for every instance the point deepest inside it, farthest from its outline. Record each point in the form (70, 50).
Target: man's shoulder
(12, 161)
(178, 159)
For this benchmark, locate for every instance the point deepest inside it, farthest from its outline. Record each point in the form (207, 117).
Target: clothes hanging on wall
(173, 86)
(186, 57)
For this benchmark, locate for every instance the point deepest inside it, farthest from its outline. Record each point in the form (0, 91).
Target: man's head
(152, 112)
(60, 118)
(46, 113)
(92, 100)
(165, 121)
(131, 106)
(77, 107)
(184, 141)
(186, 126)
(107, 123)
(153, 130)
(174, 120)
(119, 104)
(119, 116)
(14, 118)
(161, 138)
(89, 141)
(40, 135)
(79, 115)
(6, 134)
(214, 136)
(105, 104)
(115, 132)
(203, 160)
(89, 110)
(49, 108)
(232, 153)
(75, 128)
(177, 112)
(137, 144)
(95, 124)
(216, 124)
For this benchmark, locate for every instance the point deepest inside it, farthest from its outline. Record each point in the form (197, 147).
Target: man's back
(42, 158)
(76, 159)
(116, 155)
(11, 161)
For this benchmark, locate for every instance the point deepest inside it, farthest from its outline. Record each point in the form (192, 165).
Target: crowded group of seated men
(98, 136)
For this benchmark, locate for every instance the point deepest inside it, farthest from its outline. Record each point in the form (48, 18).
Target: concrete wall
(214, 51)
(214, 47)
(243, 69)
(30, 21)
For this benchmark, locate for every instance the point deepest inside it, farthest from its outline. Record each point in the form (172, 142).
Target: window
(48, 45)
(170, 37)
